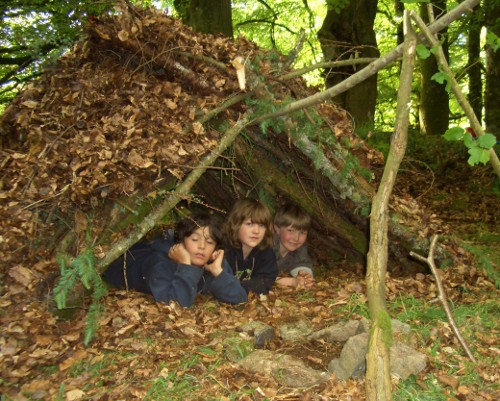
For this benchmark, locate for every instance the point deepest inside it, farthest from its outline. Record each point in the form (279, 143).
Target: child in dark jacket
(249, 250)
(180, 264)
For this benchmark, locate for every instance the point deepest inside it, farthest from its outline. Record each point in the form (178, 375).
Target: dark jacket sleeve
(169, 281)
(226, 287)
(264, 272)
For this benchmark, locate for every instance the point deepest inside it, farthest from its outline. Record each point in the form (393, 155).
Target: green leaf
(487, 141)
(434, 49)
(478, 155)
(475, 156)
(422, 51)
(492, 40)
(469, 141)
(485, 156)
(440, 77)
(454, 134)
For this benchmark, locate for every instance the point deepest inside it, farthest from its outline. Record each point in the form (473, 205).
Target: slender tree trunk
(475, 95)
(350, 34)
(378, 380)
(206, 16)
(434, 100)
(492, 90)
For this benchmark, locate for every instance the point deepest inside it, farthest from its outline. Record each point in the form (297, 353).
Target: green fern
(81, 268)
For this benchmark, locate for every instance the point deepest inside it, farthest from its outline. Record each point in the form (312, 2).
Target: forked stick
(442, 295)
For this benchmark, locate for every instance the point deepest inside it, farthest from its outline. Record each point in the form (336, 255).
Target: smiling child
(291, 225)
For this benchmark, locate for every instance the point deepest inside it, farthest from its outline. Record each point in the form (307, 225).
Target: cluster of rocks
(294, 372)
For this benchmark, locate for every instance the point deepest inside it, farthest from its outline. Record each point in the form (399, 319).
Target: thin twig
(442, 295)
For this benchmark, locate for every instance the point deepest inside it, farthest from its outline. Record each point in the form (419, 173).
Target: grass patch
(477, 322)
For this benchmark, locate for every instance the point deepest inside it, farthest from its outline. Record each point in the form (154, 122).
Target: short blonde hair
(290, 214)
(254, 210)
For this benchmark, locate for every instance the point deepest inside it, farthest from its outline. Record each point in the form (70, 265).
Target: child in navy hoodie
(178, 265)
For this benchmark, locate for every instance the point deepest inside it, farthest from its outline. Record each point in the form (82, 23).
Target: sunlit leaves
(478, 148)
(441, 77)
(493, 40)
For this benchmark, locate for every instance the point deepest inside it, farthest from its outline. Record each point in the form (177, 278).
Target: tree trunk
(475, 95)
(434, 100)
(350, 34)
(491, 98)
(206, 16)
(378, 380)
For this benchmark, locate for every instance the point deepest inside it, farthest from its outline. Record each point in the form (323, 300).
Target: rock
(406, 361)
(286, 369)
(262, 332)
(339, 332)
(352, 361)
(402, 332)
(293, 330)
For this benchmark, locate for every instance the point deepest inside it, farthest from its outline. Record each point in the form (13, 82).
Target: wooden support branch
(462, 100)
(378, 383)
(442, 295)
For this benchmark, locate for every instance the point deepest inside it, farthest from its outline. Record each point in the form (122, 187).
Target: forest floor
(144, 350)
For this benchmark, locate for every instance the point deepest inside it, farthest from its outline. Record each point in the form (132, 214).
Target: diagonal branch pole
(149, 222)
(442, 295)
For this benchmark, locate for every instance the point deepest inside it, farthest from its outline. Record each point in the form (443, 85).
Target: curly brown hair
(254, 210)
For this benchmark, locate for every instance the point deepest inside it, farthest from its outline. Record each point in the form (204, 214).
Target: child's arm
(303, 279)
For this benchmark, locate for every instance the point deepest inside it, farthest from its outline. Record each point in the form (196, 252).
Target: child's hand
(179, 254)
(215, 267)
(305, 279)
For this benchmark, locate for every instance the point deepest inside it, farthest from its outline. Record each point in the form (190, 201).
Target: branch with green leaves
(480, 151)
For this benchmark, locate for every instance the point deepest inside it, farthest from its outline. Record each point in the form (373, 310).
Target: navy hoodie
(150, 270)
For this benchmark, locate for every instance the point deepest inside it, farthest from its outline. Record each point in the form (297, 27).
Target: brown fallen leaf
(449, 380)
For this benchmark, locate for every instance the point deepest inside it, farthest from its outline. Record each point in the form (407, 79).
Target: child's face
(291, 238)
(251, 234)
(200, 246)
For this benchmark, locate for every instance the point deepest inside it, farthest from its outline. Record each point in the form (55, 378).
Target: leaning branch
(180, 192)
(442, 295)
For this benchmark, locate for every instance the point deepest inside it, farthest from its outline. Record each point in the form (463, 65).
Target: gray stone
(262, 332)
(352, 361)
(339, 332)
(406, 361)
(286, 369)
(294, 330)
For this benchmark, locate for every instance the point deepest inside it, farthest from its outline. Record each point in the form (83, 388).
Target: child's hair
(254, 210)
(190, 224)
(290, 214)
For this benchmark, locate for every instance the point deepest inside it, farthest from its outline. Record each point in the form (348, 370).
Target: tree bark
(206, 16)
(350, 34)
(474, 67)
(378, 381)
(434, 99)
(492, 89)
